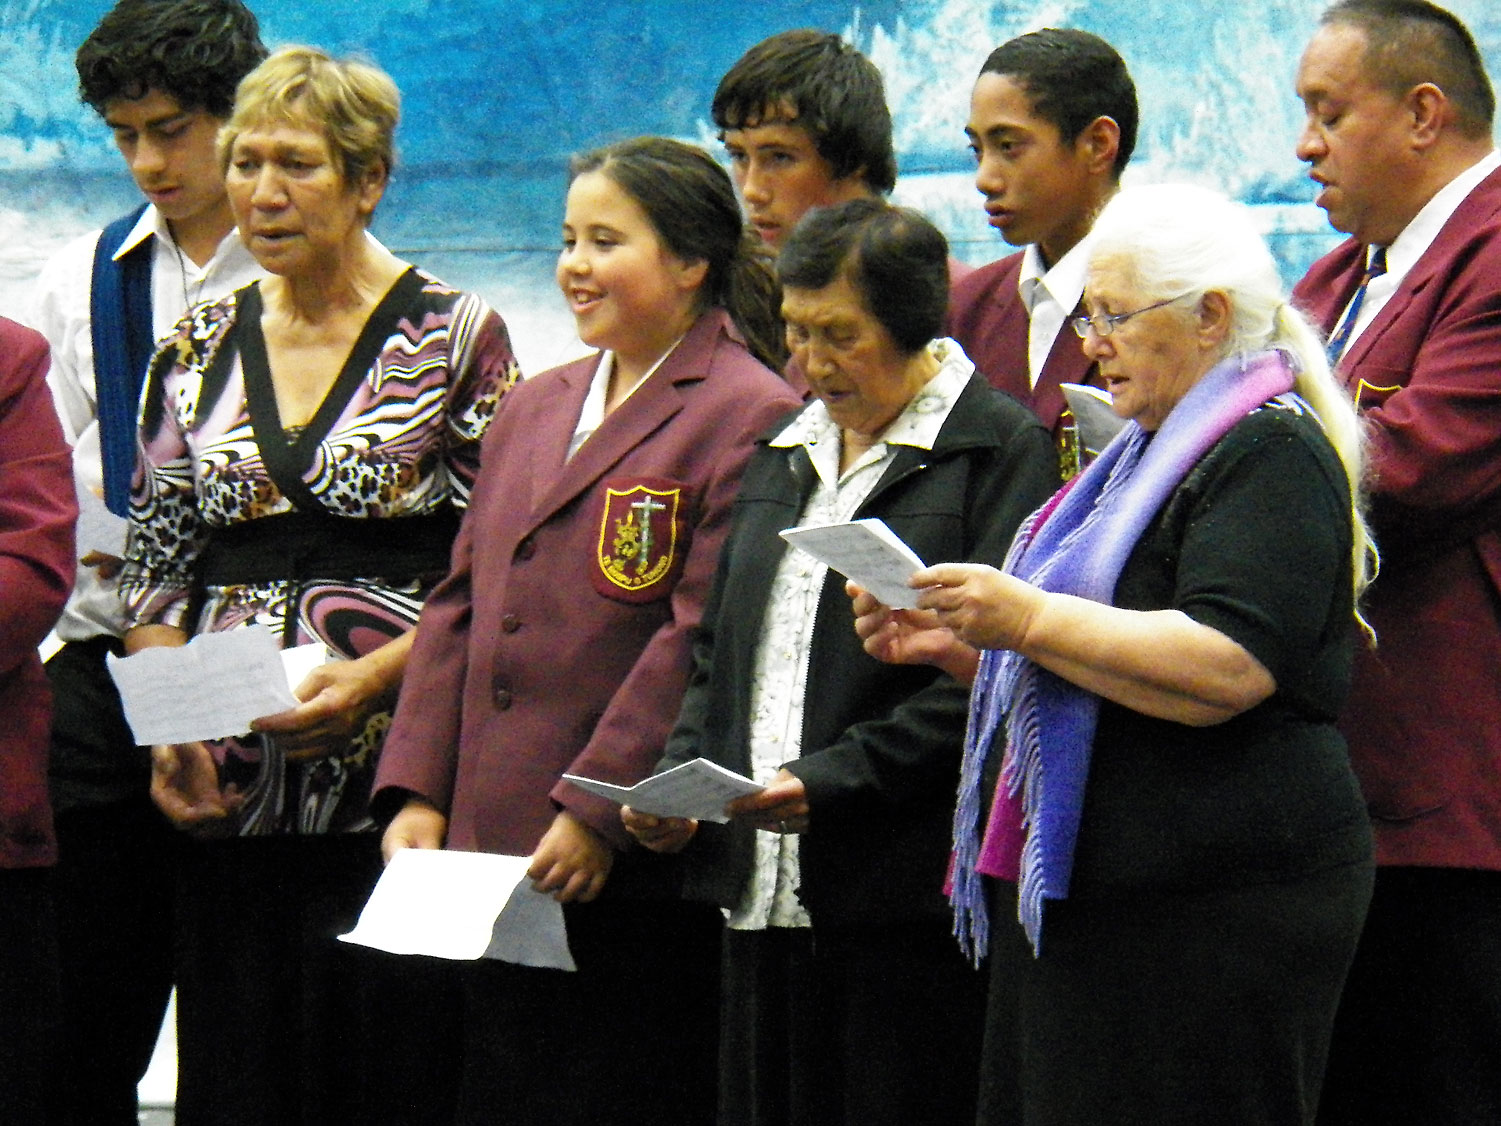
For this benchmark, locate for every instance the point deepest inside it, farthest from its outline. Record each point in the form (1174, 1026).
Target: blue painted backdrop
(496, 95)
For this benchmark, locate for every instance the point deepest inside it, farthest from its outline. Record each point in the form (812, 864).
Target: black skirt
(1168, 1008)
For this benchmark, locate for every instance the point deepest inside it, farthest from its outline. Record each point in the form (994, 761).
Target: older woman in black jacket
(850, 838)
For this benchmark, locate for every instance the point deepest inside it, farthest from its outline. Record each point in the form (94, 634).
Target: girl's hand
(420, 824)
(571, 860)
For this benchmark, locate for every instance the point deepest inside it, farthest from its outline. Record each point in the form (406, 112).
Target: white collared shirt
(1050, 296)
(1403, 254)
(593, 411)
(786, 642)
(61, 314)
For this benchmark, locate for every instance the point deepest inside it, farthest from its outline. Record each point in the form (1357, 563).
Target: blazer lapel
(1066, 363)
(556, 427)
(647, 410)
(1331, 297)
(1478, 208)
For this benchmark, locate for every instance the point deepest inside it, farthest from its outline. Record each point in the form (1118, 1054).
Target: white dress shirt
(1050, 297)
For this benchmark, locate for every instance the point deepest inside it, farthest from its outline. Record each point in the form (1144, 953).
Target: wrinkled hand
(899, 637)
(185, 787)
(420, 824)
(981, 605)
(571, 860)
(106, 566)
(660, 834)
(337, 699)
(780, 808)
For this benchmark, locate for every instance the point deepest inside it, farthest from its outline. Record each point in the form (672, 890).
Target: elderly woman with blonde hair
(1159, 841)
(307, 444)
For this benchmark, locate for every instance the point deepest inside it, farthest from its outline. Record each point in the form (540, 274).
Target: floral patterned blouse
(397, 437)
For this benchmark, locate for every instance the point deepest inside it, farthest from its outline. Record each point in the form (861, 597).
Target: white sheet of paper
(1097, 423)
(698, 789)
(866, 551)
(463, 906)
(210, 688)
(98, 528)
(300, 660)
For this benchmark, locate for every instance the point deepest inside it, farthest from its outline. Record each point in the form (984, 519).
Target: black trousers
(279, 1023)
(28, 996)
(865, 1026)
(115, 890)
(1193, 1008)
(1418, 1035)
(115, 880)
(628, 1039)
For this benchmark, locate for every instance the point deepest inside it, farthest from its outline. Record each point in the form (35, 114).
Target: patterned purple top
(397, 436)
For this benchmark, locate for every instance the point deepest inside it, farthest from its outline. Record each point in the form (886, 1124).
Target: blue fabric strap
(120, 325)
(1341, 338)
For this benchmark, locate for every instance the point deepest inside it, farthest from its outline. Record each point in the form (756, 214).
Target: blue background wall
(497, 95)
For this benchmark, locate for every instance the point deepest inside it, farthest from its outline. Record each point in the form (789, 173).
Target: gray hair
(1181, 240)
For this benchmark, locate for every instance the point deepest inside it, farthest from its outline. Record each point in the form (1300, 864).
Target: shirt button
(502, 698)
(510, 623)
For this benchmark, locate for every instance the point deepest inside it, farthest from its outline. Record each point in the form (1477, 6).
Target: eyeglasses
(1106, 323)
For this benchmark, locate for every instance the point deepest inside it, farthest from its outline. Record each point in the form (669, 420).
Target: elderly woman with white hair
(1153, 781)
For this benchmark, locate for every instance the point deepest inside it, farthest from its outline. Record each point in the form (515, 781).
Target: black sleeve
(1266, 538)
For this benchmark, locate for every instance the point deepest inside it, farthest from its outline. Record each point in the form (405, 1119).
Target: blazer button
(510, 623)
(502, 698)
(526, 548)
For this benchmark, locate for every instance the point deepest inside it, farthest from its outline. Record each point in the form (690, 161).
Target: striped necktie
(1341, 337)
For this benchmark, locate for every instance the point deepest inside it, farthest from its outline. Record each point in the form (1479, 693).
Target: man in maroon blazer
(1398, 137)
(37, 513)
(1052, 125)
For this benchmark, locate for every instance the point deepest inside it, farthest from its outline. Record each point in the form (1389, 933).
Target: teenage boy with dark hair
(803, 117)
(1052, 124)
(162, 75)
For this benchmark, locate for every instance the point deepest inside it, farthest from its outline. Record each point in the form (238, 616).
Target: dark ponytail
(753, 296)
(691, 204)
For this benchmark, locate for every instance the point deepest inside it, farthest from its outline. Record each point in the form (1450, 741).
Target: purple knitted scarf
(1076, 544)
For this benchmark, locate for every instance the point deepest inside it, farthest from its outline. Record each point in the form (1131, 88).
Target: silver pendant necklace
(182, 272)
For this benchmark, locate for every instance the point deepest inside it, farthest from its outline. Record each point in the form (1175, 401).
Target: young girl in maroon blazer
(559, 643)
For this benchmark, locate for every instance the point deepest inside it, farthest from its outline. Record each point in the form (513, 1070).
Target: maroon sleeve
(38, 509)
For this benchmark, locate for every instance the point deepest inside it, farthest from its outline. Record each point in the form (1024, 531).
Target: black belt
(302, 545)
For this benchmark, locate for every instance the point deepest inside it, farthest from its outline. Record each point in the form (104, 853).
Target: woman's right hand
(660, 834)
(909, 637)
(185, 787)
(420, 824)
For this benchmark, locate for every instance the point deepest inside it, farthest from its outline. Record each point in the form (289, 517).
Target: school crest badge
(638, 537)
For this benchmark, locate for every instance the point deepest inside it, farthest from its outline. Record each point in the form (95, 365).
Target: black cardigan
(881, 743)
